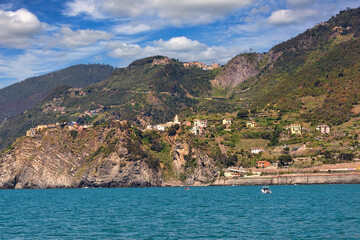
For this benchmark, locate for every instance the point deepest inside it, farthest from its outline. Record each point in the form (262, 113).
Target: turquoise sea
(234, 212)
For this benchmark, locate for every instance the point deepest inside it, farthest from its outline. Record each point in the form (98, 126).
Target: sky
(41, 36)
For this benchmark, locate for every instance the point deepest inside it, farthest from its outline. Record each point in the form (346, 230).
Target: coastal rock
(56, 160)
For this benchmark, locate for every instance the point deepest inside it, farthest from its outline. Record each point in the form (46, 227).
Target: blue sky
(41, 36)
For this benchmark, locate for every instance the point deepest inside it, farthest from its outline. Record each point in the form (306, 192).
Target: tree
(285, 159)
(286, 150)
(156, 145)
(242, 114)
(346, 156)
(172, 130)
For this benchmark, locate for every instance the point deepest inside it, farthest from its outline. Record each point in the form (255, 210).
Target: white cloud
(180, 48)
(130, 29)
(79, 38)
(177, 12)
(126, 51)
(181, 44)
(197, 11)
(18, 28)
(287, 16)
(88, 7)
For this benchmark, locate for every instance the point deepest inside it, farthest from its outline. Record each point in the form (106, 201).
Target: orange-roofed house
(262, 164)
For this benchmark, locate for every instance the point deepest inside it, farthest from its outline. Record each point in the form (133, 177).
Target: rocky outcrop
(204, 172)
(201, 172)
(102, 157)
(238, 70)
(55, 159)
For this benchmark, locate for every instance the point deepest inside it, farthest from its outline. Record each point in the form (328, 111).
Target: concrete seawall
(290, 179)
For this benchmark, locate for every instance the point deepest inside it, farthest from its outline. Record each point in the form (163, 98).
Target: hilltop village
(203, 66)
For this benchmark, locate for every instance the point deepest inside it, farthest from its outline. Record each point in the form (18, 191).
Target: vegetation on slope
(21, 96)
(323, 63)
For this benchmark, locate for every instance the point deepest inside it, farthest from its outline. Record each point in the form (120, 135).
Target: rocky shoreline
(286, 179)
(292, 179)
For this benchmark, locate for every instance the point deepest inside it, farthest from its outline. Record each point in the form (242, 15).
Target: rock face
(56, 160)
(238, 70)
(100, 157)
(203, 170)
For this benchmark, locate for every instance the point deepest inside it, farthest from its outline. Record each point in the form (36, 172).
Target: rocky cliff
(98, 157)
(238, 70)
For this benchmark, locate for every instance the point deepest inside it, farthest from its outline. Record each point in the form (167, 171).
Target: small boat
(265, 189)
(186, 188)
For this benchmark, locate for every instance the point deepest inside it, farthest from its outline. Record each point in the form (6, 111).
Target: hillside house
(295, 129)
(31, 132)
(201, 123)
(234, 172)
(197, 131)
(251, 124)
(262, 164)
(186, 123)
(227, 122)
(163, 61)
(83, 128)
(212, 66)
(194, 64)
(324, 129)
(256, 150)
(41, 127)
(160, 127)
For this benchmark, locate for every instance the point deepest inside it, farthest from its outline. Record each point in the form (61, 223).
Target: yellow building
(31, 132)
(251, 124)
(295, 129)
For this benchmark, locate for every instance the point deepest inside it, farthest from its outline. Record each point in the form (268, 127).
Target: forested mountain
(319, 66)
(23, 95)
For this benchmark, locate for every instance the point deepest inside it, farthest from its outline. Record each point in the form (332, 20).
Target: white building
(160, 128)
(201, 123)
(256, 150)
(227, 122)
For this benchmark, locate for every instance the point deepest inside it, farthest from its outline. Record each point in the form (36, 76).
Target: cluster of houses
(166, 60)
(93, 112)
(162, 61)
(197, 129)
(54, 106)
(71, 126)
(296, 129)
(77, 92)
(202, 65)
(162, 127)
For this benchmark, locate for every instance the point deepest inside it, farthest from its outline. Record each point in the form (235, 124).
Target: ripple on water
(290, 212)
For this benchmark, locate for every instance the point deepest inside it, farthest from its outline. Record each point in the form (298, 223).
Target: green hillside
(23, 95)
(142, 92)
(322, 63)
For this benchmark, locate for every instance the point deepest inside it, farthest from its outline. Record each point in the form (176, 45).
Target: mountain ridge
(18, 97)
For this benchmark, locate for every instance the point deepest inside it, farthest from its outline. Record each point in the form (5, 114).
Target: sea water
(234, 212)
